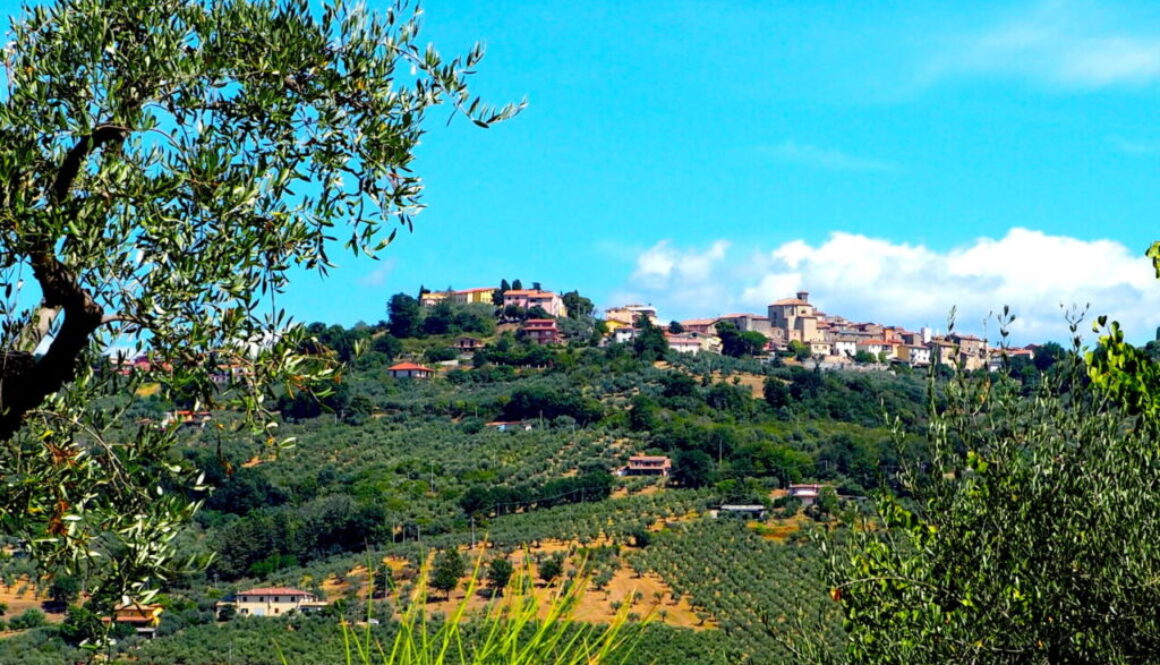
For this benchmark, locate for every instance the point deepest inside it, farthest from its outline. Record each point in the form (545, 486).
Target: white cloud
(825, 158)
(1062, 44)
(864, 278)
(686, 275)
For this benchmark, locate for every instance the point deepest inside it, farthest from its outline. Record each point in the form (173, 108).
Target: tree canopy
(1014, 545)
(164, 166)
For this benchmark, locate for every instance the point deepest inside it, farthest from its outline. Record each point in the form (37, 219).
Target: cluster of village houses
(831, 340)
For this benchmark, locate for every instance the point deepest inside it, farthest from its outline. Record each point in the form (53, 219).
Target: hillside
(399, 469)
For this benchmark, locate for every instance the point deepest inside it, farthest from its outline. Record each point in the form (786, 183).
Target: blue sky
(893, 158)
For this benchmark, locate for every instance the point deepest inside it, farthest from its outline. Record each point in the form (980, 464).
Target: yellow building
(432, 298)
(481, 296)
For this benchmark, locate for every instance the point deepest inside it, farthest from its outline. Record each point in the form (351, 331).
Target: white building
(684, 343)
(846, 347)
(918, 356)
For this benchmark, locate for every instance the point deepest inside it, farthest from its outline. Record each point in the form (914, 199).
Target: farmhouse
(410, 371)
(468, 344)
(144, 618)
(275, 601)
(646, 465)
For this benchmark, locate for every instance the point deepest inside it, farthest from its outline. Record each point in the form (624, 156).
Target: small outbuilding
(754, 511)
(410, 371)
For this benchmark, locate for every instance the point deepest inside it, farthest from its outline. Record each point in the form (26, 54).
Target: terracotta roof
(790, 301)
(403, 367)
(526, 292)
(275, 591)
(539, 324)
(648, 458)
(739, 316)
(699, 322)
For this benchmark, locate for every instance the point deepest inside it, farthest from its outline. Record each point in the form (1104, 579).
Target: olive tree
(165, 166)
(1034, 534)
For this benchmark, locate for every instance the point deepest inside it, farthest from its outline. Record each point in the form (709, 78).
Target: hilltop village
(791, 327)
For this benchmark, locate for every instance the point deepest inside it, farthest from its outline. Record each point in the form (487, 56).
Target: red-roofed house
(995, 357)
(646, 465)
(702, 326)
(876, 346)
(187, 418)
(274, 601)
(541, 331)
(144, 618)
(410, 371)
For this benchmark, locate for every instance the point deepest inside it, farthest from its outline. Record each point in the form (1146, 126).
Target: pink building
(528, 298)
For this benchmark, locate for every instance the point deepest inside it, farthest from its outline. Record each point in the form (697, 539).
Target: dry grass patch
(649, 594)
